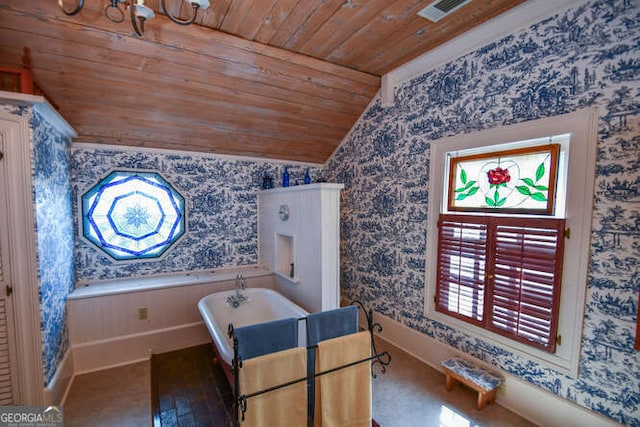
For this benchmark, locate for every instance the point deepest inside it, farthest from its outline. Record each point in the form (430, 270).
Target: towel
(323, 326)
(283, 407)
(343, 397)
(268, 337)
(331, 324)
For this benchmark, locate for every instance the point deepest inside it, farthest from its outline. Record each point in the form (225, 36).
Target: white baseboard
(56, 391)
(98, 355)
(516, 395)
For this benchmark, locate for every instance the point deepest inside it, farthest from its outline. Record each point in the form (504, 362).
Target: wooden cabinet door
(8, 386)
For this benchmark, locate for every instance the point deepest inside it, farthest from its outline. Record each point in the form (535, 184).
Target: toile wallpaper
(583, 56)
(55, 237)
(53, 226)
(221, 199)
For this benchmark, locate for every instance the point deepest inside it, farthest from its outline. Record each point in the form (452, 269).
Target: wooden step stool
(484, 382)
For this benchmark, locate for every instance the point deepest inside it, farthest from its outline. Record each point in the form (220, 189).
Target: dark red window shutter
(525, 276)
(461, 267)
(503, 274)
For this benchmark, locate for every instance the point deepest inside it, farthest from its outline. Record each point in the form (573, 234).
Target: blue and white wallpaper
(221, 200)
(584, 56)
(53, 225)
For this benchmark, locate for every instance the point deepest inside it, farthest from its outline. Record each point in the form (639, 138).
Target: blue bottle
(285, 177)
(307, 178)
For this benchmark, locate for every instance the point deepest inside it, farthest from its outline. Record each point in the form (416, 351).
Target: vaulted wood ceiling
(281, 79)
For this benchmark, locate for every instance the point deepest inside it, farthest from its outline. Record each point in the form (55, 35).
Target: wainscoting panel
(106, 331)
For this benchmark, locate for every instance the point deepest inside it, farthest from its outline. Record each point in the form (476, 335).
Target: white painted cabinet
(299, 240)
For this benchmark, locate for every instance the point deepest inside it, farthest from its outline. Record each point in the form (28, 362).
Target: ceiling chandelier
(139, 13)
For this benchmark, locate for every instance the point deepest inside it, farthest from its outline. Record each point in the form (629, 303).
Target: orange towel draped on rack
(343, 397)
(284, 407)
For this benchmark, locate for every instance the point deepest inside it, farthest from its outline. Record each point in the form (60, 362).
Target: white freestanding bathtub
(261, 305)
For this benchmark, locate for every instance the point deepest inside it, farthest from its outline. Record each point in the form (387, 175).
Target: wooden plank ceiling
(280, 79)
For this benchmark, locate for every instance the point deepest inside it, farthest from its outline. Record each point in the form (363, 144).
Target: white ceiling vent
(441, 8)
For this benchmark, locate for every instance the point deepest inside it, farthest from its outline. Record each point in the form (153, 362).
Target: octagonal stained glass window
(133, 215)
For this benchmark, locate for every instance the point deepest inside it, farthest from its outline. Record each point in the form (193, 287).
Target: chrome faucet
(239, 286)
(235, 300)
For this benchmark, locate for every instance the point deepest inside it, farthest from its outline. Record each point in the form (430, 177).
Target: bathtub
(262, 305)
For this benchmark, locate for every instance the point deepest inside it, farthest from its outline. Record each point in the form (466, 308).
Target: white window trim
(579, 210)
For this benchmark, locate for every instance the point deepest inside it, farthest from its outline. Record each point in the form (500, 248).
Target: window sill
(146, 283)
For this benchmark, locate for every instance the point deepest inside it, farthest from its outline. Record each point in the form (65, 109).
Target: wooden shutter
(6, 393)
(6, 390)
(461, 266)
(502, 274)
(525, 279)
(6, 381)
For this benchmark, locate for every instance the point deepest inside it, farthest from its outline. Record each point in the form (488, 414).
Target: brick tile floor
(189, 389)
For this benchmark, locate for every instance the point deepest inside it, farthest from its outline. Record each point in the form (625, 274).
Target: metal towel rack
(377, 359)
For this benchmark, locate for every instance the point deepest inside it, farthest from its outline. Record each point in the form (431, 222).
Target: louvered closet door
(7, 381)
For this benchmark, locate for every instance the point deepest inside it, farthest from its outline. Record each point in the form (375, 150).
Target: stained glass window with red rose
(500, 248)
(519, 181)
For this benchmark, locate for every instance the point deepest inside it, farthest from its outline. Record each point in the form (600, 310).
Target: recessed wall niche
(285, 260)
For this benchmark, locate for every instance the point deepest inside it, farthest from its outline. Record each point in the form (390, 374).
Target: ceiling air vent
(441, 8)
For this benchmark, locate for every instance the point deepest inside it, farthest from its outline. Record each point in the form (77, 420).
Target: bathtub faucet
(239, 286)
(235, 300)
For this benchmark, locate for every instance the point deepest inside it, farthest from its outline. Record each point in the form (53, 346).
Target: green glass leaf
(489, 201)
(541, 187)
(463, 176)
(539, 197)
(466, 187)
(523, 190)
(540, 172)
(529, 181)
(469, 184)
(461, 196)
(501, 201)
(473, 191)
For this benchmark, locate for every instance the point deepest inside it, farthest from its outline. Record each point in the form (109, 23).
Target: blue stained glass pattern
(132, 215)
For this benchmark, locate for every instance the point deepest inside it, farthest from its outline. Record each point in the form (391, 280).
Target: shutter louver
(6, 395)
(6, 386)
(461, 267)
(526, 276)
(502, 274)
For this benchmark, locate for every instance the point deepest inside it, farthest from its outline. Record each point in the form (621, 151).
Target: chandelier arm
(179, 21)
(134, 21)
(110, 14)
(73, 12)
